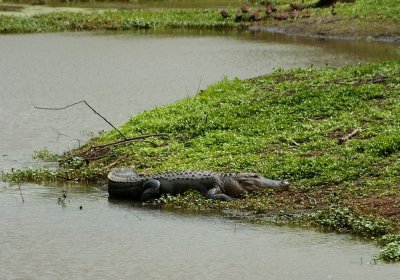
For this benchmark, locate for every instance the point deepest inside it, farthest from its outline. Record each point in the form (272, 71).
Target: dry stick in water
(20, 192)
(87, 104)
(198, 88)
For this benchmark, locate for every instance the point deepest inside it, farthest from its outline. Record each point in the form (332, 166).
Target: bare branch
(59, 108)
(142, 137)
(87, 104)
(101, 151)
(348, 136)
(20, 192)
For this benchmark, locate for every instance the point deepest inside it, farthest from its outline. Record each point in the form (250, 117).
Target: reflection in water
(121, 74)
(110, 240)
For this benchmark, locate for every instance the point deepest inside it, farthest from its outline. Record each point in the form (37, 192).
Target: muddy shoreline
(326, 28)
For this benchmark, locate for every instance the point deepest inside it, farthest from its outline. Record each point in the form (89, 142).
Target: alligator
(126, 183)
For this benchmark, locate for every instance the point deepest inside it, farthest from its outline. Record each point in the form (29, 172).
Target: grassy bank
(285, 125)
(378, 20)
(114, 20)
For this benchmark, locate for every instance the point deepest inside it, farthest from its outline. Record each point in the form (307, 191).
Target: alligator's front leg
(215, 193)
(151, 190)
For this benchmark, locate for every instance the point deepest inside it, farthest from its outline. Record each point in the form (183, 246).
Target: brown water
(121, 75)
(41, 239)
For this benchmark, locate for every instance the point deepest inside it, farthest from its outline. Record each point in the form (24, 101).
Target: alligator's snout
(284, 185)
(277, 185)
(254, 182)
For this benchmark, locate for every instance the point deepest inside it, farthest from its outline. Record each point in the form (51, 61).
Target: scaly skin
(126, 183)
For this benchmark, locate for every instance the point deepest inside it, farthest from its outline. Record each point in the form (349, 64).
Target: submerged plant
(45, 155)
(30, 175)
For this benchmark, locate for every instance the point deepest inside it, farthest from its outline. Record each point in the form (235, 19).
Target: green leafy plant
(390, 252)
(45, 155)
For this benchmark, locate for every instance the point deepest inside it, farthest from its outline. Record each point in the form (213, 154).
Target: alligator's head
(254, 182)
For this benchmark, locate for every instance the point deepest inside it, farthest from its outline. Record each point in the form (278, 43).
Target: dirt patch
(295, 200)
(334, 27)
(385, 206)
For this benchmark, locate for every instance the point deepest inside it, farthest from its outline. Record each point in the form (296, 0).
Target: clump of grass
(30, 175)
(342, 219)
(45, 155)
(390, 252)
(391, 248)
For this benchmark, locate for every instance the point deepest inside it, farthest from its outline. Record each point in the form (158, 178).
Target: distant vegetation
(385, 12)
(113, 20)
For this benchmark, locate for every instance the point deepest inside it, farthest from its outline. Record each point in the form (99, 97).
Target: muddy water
(121, 75)
(124, 74)
(41, 239)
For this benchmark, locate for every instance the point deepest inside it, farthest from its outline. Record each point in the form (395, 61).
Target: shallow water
(114, 240)
(122, 74)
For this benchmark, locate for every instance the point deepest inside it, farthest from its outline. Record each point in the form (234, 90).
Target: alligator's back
(179, 182)
(127, 183)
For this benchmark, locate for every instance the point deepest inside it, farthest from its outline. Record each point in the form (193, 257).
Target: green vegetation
(285, 125)
(114, 20)
(391, 247)
(364, 18)
(45, 155)
(30, 175)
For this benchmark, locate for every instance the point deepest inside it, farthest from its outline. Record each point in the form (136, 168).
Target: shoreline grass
(115, 20)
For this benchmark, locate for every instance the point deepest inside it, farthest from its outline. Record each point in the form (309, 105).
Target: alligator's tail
(123, 175)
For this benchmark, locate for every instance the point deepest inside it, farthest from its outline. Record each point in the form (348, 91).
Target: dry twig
(348, 136)
(20, 192)
(87, 104)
